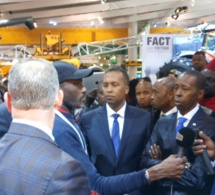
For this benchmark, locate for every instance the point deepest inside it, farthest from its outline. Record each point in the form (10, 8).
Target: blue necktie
(115, 133)
(180, 125)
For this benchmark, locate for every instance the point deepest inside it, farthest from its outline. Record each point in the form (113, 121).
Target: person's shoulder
(93, 112)
(207, 117)
(167, 119)
(137, 111)
(3, 108)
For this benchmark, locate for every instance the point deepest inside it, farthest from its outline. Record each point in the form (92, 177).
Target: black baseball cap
(68, 71)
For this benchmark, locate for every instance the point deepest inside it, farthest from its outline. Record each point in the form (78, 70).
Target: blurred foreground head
(33, 84)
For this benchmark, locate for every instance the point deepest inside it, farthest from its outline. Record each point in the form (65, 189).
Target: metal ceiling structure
(112, 13)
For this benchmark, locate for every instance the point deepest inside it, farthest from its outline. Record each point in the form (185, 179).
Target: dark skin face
(210, 83)
(100, 96)
(143, 94)
(115, 89)
(74, 94)
(161, 96)
(199, 62)
(187, 93)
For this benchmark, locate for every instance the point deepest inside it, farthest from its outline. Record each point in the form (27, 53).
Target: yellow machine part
(4, 69)
(73, 61)
(133, 63)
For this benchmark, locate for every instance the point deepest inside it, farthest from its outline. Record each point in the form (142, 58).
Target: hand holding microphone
(184, 139)
(204, 146)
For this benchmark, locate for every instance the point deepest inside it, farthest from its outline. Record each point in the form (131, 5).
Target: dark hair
(200, 79)
(132, 93)
(119, 69)
(147, 79)
(200, 53)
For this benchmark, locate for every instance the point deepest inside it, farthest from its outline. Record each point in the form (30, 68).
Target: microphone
(206, 159)
(184, 139)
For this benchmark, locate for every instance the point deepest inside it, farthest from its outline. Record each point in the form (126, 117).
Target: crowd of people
(124, 141)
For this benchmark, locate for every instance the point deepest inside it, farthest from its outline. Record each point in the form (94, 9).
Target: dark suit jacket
(5, 119)
(68, 140)
(31, 163)
(164, 135)
(133, 141)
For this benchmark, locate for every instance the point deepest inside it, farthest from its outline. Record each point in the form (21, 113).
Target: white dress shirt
(189, 115)
(120, 119)
(173, 110)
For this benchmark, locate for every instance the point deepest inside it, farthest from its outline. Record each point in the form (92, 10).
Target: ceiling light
(100, 19)
(3, 21)
(167, 23)
(35, 24)
(178, 10)
(30, 24)
(175, 16)
(53, 23)
(185, 8)
(92, 23)
(103, 1)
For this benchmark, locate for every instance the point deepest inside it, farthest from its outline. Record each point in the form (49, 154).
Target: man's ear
(7, 99)
(126, 90)
(201, 94)
(59, 99)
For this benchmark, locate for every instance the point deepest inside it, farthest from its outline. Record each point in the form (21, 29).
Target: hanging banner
(156, 50)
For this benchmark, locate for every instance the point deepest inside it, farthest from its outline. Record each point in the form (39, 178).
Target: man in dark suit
(69, 137)
(162, 99)
(189, 88)
(133, 122)
(31, 162)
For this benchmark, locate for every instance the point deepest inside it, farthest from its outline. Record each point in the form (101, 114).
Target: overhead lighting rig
(175, 16)
(29, 22)
(178, 10)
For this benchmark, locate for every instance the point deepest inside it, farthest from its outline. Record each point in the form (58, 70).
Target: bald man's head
(163, 94)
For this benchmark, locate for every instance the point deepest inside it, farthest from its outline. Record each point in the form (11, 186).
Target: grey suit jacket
(31, 163)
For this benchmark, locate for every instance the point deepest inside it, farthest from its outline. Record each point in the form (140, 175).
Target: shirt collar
(38, 125)
(121, 112)
(173, 110)
(190, 114)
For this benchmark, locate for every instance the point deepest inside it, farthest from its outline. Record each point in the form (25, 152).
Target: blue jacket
(69, 141)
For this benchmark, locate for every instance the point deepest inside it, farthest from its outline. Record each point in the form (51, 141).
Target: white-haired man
(31, 162)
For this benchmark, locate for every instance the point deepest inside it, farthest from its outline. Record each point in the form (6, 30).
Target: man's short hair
(119, 69)
(200, 79)
(200, 53)
(33, 84)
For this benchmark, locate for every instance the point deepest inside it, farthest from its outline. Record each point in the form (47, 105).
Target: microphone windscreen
(185, 137)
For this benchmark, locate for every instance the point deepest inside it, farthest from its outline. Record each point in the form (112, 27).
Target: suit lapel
(172, 131)
(196, 120)
(127, 128)
(102, 120)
